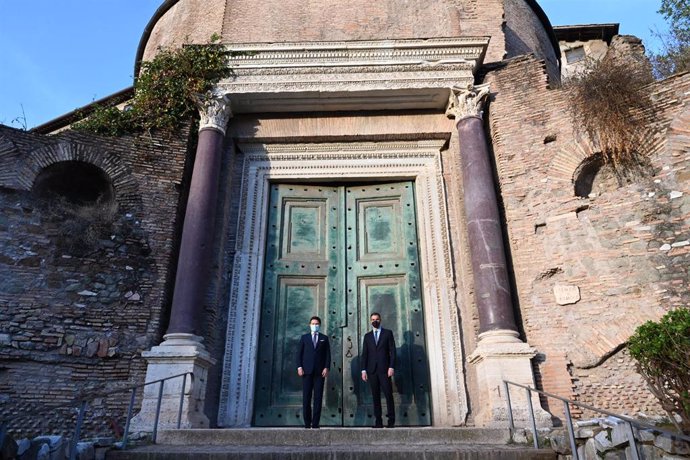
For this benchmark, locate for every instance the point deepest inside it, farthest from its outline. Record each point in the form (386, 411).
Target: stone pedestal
(177, 354)
(501, 355)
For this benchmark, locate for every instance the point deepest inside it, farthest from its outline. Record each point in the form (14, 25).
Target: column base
(177, 354)
(501, 355)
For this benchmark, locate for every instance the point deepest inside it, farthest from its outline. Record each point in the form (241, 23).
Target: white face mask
(314, 327)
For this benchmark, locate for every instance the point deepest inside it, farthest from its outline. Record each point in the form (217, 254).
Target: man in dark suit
(378, 364)
(313, 363)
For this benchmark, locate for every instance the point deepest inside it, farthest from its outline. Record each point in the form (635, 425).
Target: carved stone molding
(215, 111)
(404, 160)
(467, 102)
(350, 75)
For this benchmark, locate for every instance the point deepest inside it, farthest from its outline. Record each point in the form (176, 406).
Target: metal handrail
(569, 421)
(84, 400)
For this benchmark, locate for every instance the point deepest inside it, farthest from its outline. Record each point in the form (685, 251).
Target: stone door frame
(419, 161)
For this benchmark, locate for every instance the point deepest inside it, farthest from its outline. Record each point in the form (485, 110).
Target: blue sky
(58, 55)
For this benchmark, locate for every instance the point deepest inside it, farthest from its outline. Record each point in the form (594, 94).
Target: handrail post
(129, 417)
(531, 418)
(510, 410)
(158, 411)
(633, 442)
(77, 431)
(571, 431)
(179, 410)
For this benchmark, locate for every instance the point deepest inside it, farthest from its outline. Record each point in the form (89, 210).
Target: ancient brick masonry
(625, 250)
(74, 318)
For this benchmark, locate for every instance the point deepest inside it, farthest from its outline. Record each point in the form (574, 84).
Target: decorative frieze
(350, 75)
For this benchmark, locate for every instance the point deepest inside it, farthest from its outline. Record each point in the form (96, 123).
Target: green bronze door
(341, 253)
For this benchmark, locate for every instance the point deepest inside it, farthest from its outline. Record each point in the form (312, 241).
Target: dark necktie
(314, 339)
(376, 336)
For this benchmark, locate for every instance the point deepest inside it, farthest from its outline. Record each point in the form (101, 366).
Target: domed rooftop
(515, 26)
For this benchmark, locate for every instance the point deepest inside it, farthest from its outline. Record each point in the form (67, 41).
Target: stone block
(672, 446)
(587, 432)
(648, 452)
(602, 441)
(85, 451)
(58, 446)
(560, 442)
(620, 434)
(566, 294)
(23, 445)
(588, 451)
(643, 436)
(618, 454)
(43, 452)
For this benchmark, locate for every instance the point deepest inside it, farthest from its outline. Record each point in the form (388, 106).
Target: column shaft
(197, 235)
(491, 282)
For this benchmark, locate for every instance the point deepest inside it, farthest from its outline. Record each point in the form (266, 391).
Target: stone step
(333, 436)
(334, 444)
(388, 452)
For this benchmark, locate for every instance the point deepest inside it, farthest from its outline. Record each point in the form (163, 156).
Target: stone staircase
(334, 444)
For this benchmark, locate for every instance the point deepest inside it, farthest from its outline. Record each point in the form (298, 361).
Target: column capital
(467, 102)
(215, 110)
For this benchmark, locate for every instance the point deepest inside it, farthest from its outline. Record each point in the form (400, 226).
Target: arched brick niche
(594, 176)
(76, 182)
(50, 165)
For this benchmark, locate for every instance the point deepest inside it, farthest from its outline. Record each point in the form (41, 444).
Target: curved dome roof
(271, 21)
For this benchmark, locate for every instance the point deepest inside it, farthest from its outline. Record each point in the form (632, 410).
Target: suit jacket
(312, 359)
(381, 357)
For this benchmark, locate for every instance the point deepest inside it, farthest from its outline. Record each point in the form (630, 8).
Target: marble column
(500, 354)
(182, 349)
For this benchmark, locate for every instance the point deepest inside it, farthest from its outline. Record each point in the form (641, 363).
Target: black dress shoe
(316, 427)
(390, 425)
(306, 427)
(377, 426)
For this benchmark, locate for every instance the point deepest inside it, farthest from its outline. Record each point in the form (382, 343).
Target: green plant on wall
(662, 352)
(164, 92)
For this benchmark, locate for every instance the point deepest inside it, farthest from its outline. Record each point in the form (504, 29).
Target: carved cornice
(215, 111)
(467, 102)
(350, 75)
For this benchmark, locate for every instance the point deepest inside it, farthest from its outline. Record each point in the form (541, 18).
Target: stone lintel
(350, 75)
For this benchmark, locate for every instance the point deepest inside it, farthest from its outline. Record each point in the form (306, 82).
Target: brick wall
(206, 15)
(75, 317)
(525, 34)
(514, 28)
(626, 249)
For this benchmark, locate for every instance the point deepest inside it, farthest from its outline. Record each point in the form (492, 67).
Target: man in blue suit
(378, 364)
(313, 361)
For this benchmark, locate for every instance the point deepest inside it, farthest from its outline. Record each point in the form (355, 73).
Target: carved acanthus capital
(467, 102)
(215, 110)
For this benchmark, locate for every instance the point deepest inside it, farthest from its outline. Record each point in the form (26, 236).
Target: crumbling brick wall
(75, 317)
(625, 249)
